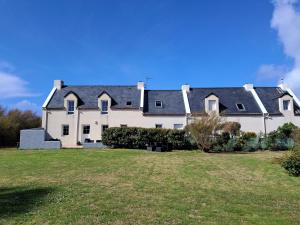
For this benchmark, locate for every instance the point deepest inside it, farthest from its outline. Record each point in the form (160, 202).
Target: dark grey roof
(172, 102)
(269, 97)
(228, 98)
(88, 96)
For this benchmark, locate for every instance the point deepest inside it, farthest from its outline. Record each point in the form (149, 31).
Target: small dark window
(86, 129)
(123, 125)
(158, 125)
(71, 107)
(128, 103)
(240, 107)
(65, 129)
(158, 104)
(104, 106)
(104, 127)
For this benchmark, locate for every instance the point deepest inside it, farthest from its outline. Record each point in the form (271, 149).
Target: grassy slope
(138, 187)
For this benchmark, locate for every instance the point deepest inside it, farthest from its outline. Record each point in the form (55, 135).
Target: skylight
(240, 107)
(128, 103)
(158, 104)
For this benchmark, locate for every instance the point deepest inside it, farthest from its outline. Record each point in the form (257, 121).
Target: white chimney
(185, 88)
(140, 85)
(283, 86)
(248, 87)
(58, 84)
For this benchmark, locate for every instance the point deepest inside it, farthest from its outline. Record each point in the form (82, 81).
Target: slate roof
(228, 98)
(269, 97)
(88, 96)
(172, 102)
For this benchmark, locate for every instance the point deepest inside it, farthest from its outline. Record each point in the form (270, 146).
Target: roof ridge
(100, 85)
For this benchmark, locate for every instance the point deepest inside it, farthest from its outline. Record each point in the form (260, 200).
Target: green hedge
(141, 138)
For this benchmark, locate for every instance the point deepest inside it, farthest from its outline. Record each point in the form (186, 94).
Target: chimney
(248, 87)
(140, 85)
(283, 86)
(186, 88)
(58, 84)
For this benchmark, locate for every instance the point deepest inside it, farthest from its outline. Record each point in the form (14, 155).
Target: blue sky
(203, 43)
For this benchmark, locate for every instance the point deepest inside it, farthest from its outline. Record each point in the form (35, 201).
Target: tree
(203, 131)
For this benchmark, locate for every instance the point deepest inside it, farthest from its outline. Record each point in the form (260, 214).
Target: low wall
(36, 139)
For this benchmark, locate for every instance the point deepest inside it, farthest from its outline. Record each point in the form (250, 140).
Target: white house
(74, 114)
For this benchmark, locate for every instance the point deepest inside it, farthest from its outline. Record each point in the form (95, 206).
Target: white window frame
(243, 109)
(104, 111)
(177, 125)
(161, 104)
(213, 109)
(68, 107)
(288, 105)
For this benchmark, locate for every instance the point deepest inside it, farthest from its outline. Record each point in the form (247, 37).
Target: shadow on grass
(20, 200)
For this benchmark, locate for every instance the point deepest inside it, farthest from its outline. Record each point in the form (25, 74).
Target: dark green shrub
(133, 137)
(292, 163)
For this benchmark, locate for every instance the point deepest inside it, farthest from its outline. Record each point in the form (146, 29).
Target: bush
(296, 137)
(292, 163)
(203, 131)
(233, 128)
(137, 138)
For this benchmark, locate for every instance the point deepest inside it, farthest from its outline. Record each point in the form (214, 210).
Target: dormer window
(240, 107)
(71, 106)
(104, 106)
(286, 105)
(212, 105)
(128, 103)
(158, 104)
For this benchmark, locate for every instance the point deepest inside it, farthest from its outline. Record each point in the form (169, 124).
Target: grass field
(139, 187)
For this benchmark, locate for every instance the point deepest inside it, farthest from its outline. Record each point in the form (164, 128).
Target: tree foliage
(11, 122)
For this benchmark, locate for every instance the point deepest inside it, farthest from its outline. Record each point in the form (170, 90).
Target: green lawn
(139, 187)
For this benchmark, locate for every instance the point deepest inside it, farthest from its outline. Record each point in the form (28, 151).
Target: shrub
(133, 137)
(296, 137)
(233, 128)
(292, 163)
(203, 131)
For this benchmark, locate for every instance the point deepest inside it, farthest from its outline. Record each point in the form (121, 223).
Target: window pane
(178, 126)
(104, 106)
(212, 105)
(104, 127)
(158, 104)
(65, 129)
(71, 107)
(158, 125)
(86, 129)
(286, 104)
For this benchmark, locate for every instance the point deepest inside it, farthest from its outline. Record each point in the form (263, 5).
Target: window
(65, 130)
(240, 107)
(158, 125)
(178, 126)
(158, 104)
(128, 103)
(286, 105)
(104, 127)
(71, 107)
(104, 106)
(212, 105)
(86, 129)
(123, 125)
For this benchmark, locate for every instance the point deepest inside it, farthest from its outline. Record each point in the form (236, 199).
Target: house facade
(76, 114)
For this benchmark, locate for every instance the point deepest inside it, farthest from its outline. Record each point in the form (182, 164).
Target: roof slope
(172, 102)
(88, 96)
(228, 98)
(269, 97)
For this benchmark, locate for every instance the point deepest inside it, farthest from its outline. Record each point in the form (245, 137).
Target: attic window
(240, 107)
(128, 103)
(158, 104)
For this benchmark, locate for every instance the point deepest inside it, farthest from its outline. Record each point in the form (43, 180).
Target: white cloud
(12, 86)
(271, 71)
(286, 20)
(27, 105)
